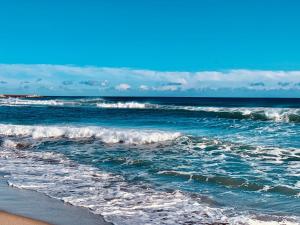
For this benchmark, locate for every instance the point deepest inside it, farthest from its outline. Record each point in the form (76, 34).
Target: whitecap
(106, 135)
(112, 196)
(25, 102)
(123, 105)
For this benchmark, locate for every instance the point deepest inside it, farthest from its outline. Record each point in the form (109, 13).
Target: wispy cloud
(144, 87)
(123, 87)
(113, 81)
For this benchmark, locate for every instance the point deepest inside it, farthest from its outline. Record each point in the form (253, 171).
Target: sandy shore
(11, 219)
(35, 205)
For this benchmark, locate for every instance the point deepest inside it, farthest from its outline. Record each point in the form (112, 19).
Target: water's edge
(38, 206)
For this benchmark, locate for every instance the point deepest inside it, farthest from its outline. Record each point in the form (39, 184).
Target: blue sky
(153, 47)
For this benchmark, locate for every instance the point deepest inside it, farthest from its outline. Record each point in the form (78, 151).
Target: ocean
(154, 160)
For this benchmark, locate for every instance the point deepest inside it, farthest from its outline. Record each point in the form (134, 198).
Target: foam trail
(112, 196)
(106, 135)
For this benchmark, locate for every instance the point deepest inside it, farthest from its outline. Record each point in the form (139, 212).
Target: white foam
(276, 114)
(111, 195)
(9, 144)
(123, 105)
(253, 221)
(106, 135)
(24, 102)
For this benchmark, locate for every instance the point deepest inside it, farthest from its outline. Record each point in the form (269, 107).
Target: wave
(106, 135)
(50, 102)
(110, 195)
(256, 113)
(264, 167)
(124, 105)
(232, 182)
(9, 144)
(25, 102)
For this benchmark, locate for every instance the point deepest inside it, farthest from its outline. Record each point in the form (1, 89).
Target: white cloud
(46, 75)
(144, 87)
(104, 83)
(122, 87)
(166, 88)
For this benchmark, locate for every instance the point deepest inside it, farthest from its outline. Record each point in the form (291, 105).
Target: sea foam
(256, 113)
(123, 105)
(259, 113)
(106, 135)
(25, 102)
(112, 196)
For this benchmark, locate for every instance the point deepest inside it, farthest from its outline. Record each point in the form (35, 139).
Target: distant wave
(106, 135)
(50, 102)
(113, 197)
(124, 105)
(255, 113)
(25, 102)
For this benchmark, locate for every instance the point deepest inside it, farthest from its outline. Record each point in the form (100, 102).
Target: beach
(24, 207)
(152, 160)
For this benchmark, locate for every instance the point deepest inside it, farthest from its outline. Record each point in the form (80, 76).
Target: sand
(35, 205)
(11, 219)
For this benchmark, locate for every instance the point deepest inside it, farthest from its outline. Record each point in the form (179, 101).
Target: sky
(217, 48)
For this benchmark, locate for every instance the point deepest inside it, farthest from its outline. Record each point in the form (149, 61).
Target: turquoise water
(158, 160)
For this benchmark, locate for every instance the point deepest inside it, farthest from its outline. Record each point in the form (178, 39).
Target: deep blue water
(139, 160)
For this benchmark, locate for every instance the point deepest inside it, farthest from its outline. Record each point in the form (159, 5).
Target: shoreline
(26, 207)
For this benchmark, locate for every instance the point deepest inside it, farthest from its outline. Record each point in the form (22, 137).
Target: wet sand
(39, 207)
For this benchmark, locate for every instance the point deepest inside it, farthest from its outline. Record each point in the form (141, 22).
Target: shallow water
(158, 160)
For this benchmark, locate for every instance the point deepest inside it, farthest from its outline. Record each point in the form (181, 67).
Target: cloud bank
(45, 79)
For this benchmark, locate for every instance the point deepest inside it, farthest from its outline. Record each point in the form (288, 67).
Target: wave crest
(123, 105)
(256, 113)
(25, 102)
(106, 135)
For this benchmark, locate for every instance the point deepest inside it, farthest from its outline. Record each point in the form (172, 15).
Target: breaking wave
(25, 102)
(106, 135)
(256, 113)
(259, 113)
(124, 105)
(49, 102)
(112, 196)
